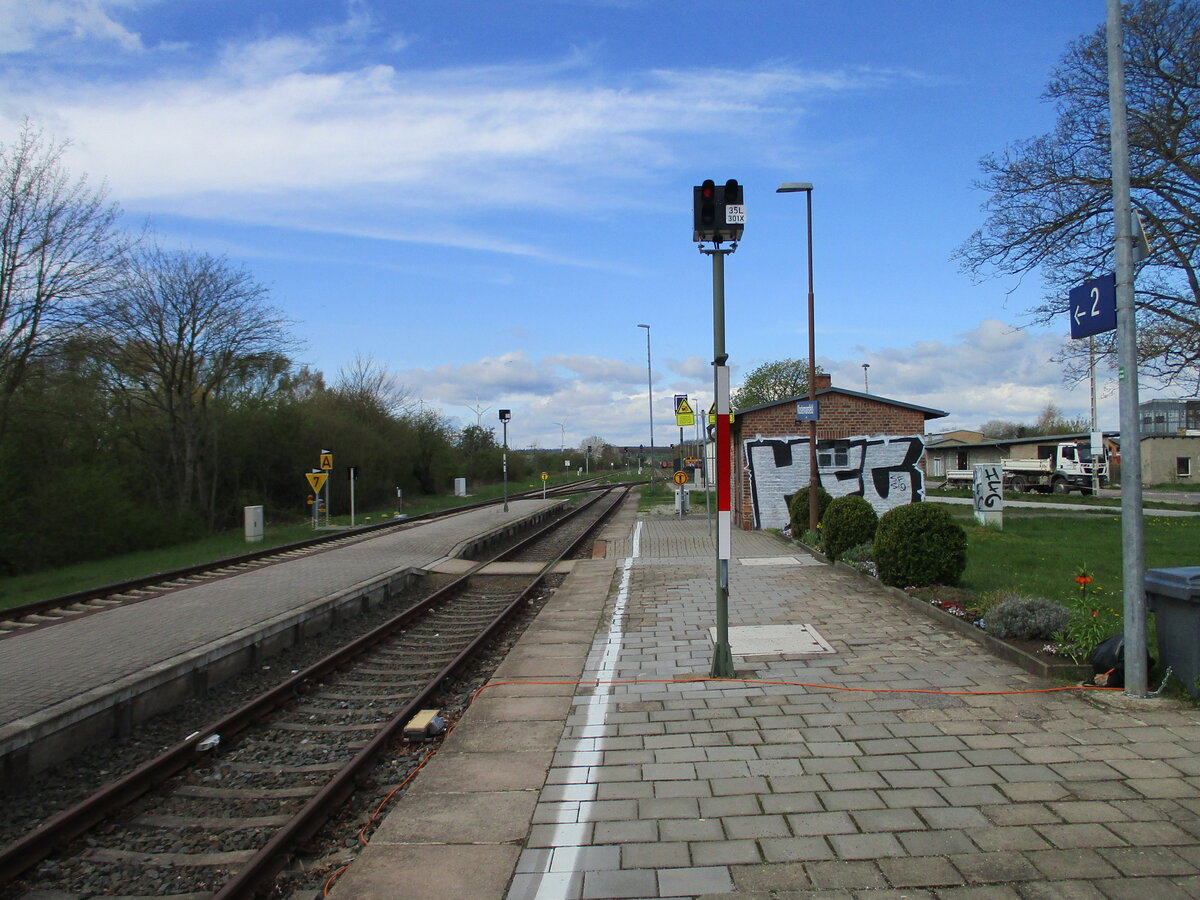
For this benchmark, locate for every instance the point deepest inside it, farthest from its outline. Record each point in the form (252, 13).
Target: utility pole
(1132, 550)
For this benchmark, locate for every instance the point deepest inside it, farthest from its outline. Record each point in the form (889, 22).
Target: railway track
(223, 811)
(57, 610)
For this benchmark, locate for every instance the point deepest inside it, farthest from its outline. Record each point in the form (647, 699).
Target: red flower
(1083, 579)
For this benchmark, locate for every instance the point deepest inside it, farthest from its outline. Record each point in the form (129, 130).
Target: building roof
(1037, 439)
(925, 410)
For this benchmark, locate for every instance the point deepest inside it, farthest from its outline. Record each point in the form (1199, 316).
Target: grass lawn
(1040, 555)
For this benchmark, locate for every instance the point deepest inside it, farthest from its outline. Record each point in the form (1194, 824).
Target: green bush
(848, 522)
(1027, 618)
(798, 508)
(919, 544)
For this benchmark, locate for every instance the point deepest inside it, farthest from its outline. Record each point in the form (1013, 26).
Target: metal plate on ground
(773, 640)
(779, 561)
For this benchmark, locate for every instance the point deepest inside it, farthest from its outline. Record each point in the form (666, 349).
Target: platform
(83, 680)
(589, 770)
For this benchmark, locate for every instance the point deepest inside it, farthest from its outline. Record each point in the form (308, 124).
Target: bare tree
(1051, 209)
(187, 330)
(370, 386)
(59, 249)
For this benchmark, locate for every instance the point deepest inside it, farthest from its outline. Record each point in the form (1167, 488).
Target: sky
(487, 199)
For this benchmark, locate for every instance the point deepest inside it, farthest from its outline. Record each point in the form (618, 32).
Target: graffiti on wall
(881, 468)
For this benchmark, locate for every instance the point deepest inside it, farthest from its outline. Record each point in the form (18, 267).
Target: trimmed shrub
(798, 509)
(919, 544)
(848, 522)
(1027, 618)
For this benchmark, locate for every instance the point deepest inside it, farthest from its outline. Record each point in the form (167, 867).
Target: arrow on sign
(1093, 306)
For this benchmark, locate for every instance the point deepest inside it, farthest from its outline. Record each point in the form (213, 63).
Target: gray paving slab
(784, 783)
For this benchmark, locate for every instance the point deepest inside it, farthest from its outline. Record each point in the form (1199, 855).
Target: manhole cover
(761, 640)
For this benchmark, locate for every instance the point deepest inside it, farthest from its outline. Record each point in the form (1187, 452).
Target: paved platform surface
(50, 668)
(590, 771)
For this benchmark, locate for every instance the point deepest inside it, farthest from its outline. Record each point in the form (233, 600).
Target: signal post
(719, 214)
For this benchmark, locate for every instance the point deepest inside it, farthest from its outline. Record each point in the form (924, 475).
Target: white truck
(1060, 469)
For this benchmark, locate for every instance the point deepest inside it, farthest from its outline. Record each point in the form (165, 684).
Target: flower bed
(952, 608)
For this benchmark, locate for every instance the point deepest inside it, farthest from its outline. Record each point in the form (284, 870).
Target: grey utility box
(1173, 595)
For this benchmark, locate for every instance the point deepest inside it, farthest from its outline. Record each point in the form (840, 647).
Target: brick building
(866, 444)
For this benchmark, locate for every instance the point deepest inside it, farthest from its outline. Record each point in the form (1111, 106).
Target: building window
(1183, 466)
(836, 456)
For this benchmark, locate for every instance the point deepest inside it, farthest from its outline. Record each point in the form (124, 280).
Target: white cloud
(267, 134)
(991, 372)
(25, 24)
(994, 371)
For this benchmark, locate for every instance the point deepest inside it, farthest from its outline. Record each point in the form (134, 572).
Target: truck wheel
(1018, 484)
(1060, 486)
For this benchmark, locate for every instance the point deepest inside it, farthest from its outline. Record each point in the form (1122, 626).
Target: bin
(1173, 595)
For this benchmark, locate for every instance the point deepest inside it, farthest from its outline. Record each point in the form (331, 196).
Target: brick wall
(842, 416)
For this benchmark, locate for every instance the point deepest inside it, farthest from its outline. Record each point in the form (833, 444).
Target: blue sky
(487, 198)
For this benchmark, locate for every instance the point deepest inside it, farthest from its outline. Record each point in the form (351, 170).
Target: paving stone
(919, 871)
(872, 820)
(797, 848)
(1009, 837)
(612, 885)
(1060, 865)
(1074, 836)
(694, 880)
(659, 855)
(845, 875)
(994, 868)
(1144, 861)
(724, 853)
(865, 846)
(935, 843)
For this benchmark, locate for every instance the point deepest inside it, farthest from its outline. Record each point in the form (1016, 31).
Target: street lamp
(792, 187)
(650, 397)
(505, 415)
(866, 384)
(562, 442)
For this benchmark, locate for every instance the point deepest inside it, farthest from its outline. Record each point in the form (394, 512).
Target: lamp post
(562, 438)
(792, 187)
(866, 384)
(505, 415)
(650, 398)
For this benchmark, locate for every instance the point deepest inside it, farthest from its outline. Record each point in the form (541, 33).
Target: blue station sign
(808, 410)
(1093, 307)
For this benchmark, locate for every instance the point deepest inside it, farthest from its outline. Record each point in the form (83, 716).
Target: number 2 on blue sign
(1095, 301)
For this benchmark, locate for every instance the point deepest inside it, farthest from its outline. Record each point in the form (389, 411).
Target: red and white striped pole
(722, 663)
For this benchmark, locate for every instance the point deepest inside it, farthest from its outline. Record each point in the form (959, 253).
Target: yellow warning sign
(326, 461)
(683, 411)
(316, 480)
(712, 415)
(681, 478)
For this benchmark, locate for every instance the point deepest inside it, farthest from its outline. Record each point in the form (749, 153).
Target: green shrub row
(912, 545)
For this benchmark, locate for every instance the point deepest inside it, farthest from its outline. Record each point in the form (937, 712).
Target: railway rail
(223, 811)
(57, 610)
